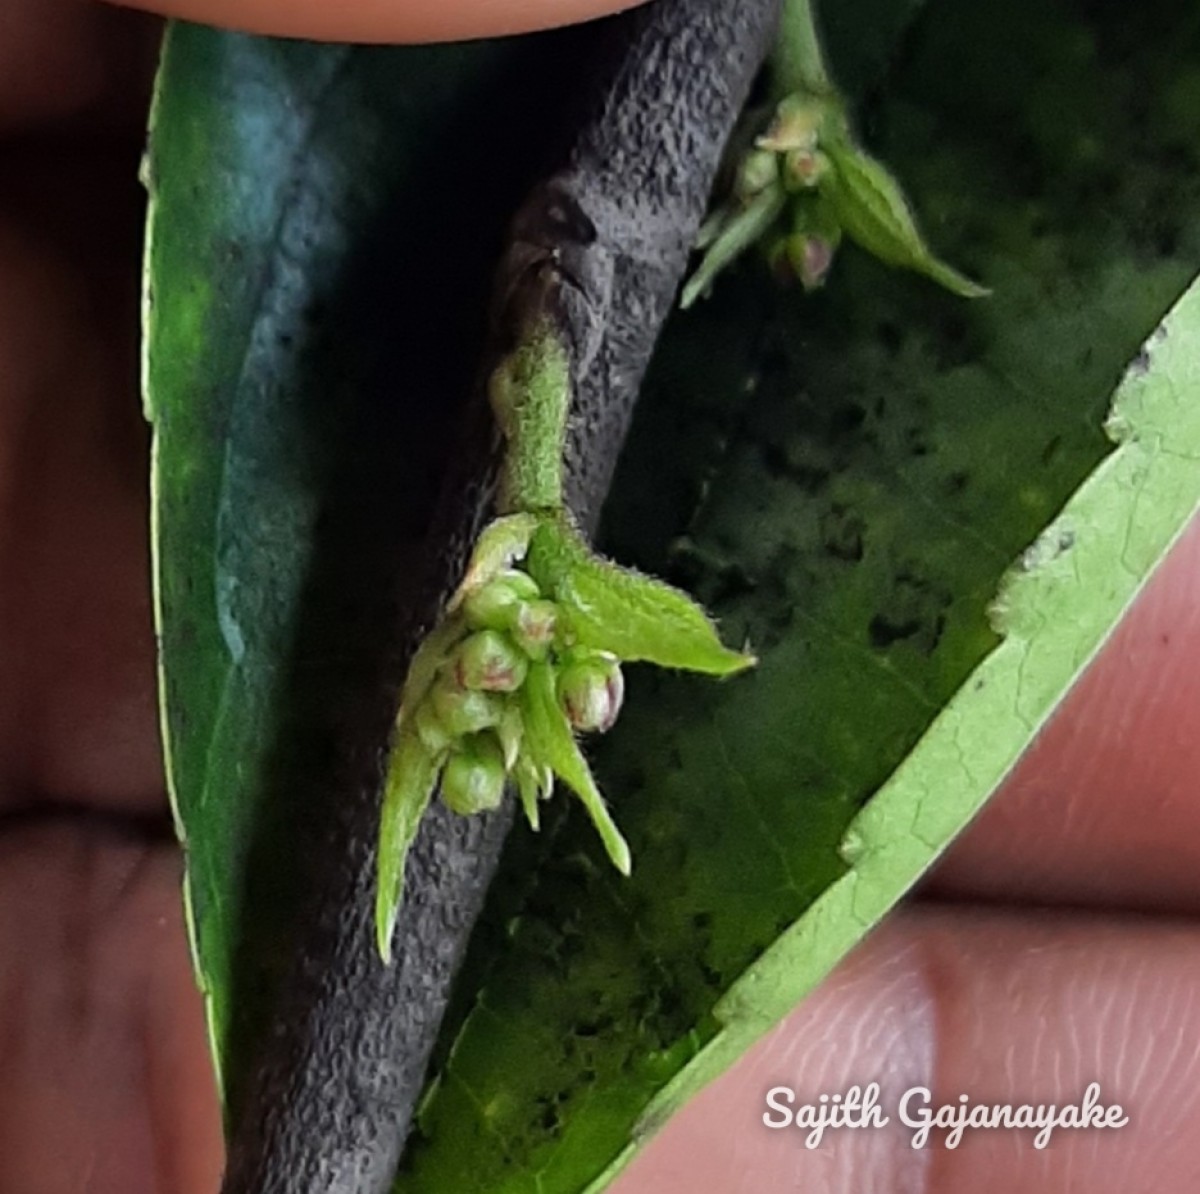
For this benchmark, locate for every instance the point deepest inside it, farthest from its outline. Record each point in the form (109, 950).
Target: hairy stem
(797, 62)
(530, 394)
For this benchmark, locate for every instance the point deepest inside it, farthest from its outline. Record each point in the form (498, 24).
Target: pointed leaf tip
(874, 212)
(952, 280)
(408, 787)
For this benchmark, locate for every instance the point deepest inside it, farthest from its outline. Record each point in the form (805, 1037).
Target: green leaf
(872, 210)
(320, 256)
(635, 617)
(847, 480)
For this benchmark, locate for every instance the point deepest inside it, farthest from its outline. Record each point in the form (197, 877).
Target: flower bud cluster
(803, 186)
(525, 659)
(805, 250)
(471, 716)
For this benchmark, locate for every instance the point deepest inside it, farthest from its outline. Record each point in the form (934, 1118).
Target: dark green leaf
(325, 226)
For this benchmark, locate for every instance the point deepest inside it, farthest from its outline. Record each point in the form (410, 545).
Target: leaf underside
(318, 273)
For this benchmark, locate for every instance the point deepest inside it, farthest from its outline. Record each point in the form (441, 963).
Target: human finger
(1103, 809)
(385, 20)
(77, 705)
(107, 1085)
(1006, 1008)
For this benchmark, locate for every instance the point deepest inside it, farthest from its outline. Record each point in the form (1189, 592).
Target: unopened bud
(796, 124)
(803, 169)
(758, 170)
(533, 630)
(489, 661)
(591, 692)
(778, 261)
(473, 781)
(493, 606)
(463, 710)
(811, 257)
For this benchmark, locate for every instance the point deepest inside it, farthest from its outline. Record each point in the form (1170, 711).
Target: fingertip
(384, 20)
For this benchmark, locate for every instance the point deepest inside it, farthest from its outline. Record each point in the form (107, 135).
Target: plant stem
(797, 62)
(530, 392)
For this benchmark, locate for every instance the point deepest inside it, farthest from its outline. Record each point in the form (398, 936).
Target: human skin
(1055, 946)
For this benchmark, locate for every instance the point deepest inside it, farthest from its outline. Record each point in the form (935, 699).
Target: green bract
(869, 204)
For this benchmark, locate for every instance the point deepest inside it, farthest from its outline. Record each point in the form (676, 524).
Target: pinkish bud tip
(592, 692)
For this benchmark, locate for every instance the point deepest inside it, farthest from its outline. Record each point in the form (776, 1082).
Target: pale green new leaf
(635, 617)
(733, 236)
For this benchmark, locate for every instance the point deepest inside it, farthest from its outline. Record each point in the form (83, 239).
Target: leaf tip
(692, 290)
(956, 282)
(746, 662)
(723, 662)
(385, 925)
(743, 660)
(622, 858)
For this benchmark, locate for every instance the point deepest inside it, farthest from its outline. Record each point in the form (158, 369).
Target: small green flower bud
(473, 781)
(429, 728)
(464, 711)
(804, 169)
(534, 627)
(493, 606)
(591, 692)
(811, 257)
(758, 170)
(488, 661)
